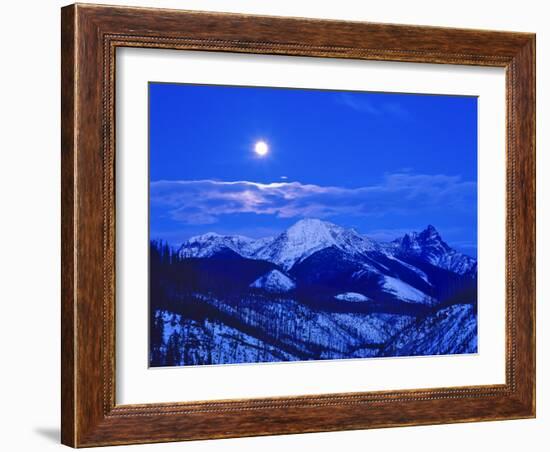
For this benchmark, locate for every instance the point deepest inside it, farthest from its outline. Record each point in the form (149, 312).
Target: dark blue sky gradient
(399, 145)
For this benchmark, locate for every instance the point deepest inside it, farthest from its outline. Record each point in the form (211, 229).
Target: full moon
(261, 148)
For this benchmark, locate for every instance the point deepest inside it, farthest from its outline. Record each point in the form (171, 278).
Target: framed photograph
(281, 225)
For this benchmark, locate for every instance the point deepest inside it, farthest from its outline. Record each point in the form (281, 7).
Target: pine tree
(173, 350)
(156, 338)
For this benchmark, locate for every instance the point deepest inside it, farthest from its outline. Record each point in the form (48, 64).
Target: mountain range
(308, 236)
(267, 296)
(402, 267)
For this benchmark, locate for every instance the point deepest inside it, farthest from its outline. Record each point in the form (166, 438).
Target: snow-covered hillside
(275, 282)
(450, 330)
(403, 291)
(267, 330)
(352, 296)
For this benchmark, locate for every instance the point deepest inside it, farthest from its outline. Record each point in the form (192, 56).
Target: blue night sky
(382, 163)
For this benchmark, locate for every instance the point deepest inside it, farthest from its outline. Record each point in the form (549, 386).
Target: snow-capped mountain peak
(311, 233)
(308, 236)
(311, 226)
(431, 231)
(419, 241)
(203, 237)
(430, 247)
(207, 245)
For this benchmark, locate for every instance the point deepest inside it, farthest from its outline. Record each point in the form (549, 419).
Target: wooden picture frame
(90, 36)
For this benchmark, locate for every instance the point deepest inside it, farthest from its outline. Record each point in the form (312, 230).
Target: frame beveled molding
(90, 36)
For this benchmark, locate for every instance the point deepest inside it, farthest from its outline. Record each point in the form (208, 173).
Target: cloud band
(205, 201)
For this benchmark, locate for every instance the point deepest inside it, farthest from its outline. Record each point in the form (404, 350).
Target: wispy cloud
(361, 103)
(205, 201)
(358, 103)
(397, 109)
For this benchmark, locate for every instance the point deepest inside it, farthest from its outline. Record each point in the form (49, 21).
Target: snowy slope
(268, 330)
(414, 269)
(274, 281)
(404, 291)
(186, 342)
(450, 330)
(352, 296)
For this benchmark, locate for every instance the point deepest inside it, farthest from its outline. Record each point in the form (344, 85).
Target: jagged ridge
(308, 236)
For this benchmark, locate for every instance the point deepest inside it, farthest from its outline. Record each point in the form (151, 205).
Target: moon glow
(261, 148)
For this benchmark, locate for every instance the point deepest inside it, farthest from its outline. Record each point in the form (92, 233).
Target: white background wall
(29, 229)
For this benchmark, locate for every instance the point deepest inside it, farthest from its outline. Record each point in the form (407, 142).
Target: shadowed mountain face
(315, 291)
(429, 247)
